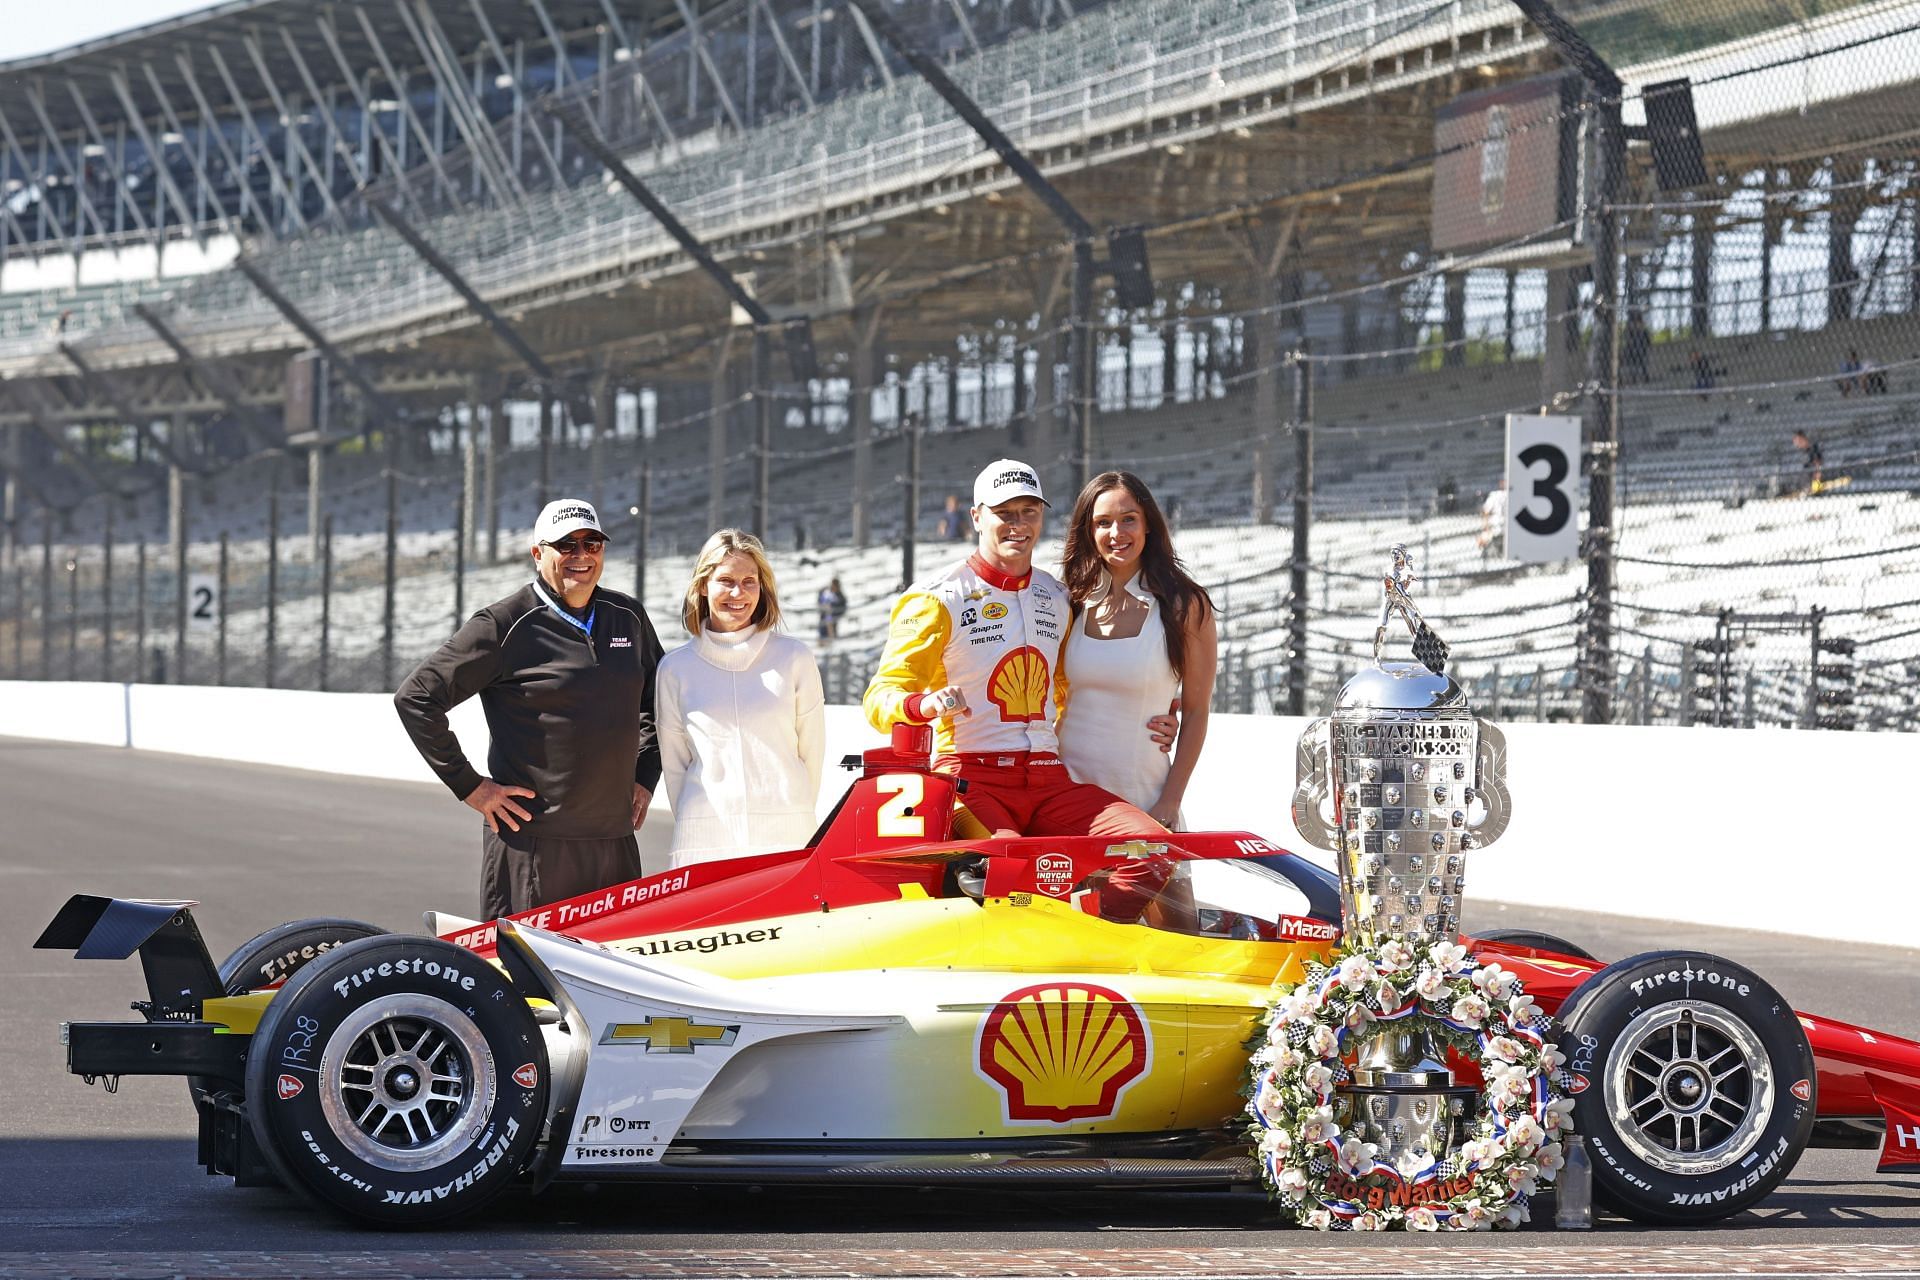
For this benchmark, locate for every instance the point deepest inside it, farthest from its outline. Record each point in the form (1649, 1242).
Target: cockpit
(1203, 898)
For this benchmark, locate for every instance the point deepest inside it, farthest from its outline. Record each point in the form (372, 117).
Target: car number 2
(896, 818)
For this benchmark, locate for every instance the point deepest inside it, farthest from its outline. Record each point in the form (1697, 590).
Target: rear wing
(179, 971)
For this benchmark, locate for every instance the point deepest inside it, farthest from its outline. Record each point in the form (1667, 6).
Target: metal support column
(1297, 667)
(387, 596)
(273, 581)
(106, 594)
(177, 538)
(863, 375)
(910, 531)
(762, 435)
(220, 634)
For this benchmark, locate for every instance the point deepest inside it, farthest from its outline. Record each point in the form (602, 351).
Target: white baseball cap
(1006, 479)
(564, 516)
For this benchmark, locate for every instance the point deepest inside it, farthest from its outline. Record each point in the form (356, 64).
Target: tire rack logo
(287, 1087)
(1053, 874)
(669, 1035)
(527, 1075)
(1063, 1051)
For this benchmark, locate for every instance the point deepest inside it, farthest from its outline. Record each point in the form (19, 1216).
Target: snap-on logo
(287, 1087)
(1802, 1089)
(526, 1076)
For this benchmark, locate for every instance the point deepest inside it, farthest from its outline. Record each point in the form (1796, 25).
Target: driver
(974, 650)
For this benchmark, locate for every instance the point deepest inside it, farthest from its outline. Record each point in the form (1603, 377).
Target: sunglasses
(593, 544)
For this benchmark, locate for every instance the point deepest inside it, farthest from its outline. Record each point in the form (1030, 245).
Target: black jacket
(571, 720)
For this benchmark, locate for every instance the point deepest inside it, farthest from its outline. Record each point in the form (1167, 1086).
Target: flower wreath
(1328, 1182)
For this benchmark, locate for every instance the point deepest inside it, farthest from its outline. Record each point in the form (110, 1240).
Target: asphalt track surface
(92, 1184)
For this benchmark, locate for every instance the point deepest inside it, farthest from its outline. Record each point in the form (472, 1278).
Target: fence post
(1540, 695)
(106, 597)
(459, 559)
(1302, 525)
(273, 581)
(326, 601)
(139, 607)
(46, 598)
(1687, 675)
(220, 632)
(178, 483)
(643, 529)
(1646, 686)
(912, 488)
(73, 614)
(393, 557)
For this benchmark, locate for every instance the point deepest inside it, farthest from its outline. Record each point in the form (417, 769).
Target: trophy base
(1412, 1128)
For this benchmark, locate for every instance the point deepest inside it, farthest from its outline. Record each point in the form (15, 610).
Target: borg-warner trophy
(1400, 783)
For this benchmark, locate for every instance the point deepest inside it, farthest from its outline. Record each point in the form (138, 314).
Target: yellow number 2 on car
(897, 818)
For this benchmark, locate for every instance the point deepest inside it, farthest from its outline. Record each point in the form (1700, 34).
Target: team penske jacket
(998, 638)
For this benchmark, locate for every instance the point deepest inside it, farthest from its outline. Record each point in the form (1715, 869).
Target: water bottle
(1573, 1197)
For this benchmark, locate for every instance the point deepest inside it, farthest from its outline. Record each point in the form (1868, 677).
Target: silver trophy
(1401, 782)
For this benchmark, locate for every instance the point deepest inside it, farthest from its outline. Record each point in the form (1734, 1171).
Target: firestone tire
(400, 1081)
(285, 949)
(1535, 940)
(274, 956)
(1700, 1086)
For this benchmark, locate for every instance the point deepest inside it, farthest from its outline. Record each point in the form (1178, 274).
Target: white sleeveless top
(1113, 688)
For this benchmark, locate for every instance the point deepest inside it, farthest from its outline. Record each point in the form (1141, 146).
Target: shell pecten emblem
(1063, 1051)
(1019, 684)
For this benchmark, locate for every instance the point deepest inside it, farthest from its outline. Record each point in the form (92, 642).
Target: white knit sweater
(742, 743)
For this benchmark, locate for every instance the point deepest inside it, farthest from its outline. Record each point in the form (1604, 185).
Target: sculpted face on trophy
(1402, 781)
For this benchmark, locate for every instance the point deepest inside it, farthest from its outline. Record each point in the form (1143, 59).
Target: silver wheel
(406, 1082)
(1689, 1087)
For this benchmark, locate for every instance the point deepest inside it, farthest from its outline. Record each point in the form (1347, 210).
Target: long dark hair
(1160, 569)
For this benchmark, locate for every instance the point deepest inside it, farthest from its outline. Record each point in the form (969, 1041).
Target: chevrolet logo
(669, 1035)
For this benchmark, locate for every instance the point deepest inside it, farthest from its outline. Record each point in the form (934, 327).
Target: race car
(895, 1004)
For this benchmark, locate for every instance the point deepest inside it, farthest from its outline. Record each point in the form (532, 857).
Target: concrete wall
(1758, 829)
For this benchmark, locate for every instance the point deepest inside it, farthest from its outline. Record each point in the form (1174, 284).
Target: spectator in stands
(1635, 345)
(564, 670)
(953, 520)
(1703, 371)
(1858, 376)
(833, 606)
(1810, 464)
(1142, 639)
(1493, 520)
(742, 722)
(975, 651)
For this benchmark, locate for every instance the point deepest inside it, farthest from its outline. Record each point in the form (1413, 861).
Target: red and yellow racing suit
(998, 638)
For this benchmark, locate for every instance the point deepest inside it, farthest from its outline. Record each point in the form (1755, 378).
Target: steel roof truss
(251, 41)
(52, 136)
(177, 197)
(444, 67)
(332, 39)
(705, 55)
(126, 199)
(340, 146)
(519, 90)
(288, 201)
(197, 157)
(399, 88)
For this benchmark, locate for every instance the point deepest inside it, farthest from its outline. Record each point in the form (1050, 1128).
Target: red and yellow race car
(897, 1005)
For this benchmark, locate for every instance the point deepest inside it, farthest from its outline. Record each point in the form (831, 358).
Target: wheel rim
(406, 1082)
(1689, 1087)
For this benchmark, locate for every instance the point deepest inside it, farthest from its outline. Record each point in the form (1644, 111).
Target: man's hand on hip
(641, 799)
(497, 805)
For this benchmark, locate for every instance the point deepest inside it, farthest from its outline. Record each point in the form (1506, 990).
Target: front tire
(1700, 1085)
(401, 1081)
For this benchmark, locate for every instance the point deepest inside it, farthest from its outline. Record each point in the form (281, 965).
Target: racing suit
(998, 638)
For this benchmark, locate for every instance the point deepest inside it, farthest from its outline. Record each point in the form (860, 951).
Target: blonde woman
(740, 712)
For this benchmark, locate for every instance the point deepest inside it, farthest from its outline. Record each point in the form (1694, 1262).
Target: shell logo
(1018, 685)
(1063, 1051)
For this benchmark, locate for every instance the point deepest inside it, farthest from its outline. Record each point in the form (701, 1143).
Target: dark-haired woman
(1142, 636)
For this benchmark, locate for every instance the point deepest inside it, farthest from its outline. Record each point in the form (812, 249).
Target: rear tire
(400, 1081)
(1535, 940)
(1700, 1085)
(273, 956)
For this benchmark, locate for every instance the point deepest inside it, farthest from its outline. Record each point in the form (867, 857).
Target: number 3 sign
(1543, 488)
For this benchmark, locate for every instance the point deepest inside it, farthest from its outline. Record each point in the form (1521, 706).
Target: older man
(975, 650)
(564, 670)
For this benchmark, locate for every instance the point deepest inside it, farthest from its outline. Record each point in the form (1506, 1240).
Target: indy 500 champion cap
(1004, 480)
(564, 516)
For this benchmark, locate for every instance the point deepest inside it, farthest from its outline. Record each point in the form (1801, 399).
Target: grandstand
(1280, 155)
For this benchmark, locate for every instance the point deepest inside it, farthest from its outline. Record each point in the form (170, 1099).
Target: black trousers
(532, 872)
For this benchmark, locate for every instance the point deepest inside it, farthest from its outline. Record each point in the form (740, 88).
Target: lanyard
(584, 627)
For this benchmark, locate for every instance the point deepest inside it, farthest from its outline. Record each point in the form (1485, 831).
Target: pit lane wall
(1743, 828)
